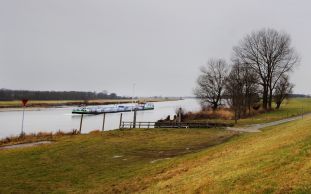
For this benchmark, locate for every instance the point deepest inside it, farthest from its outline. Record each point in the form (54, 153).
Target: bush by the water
(223, 113)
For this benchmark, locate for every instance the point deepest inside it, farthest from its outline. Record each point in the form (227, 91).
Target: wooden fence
(124, 125)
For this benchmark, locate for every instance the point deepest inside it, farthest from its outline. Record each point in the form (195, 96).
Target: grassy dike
(278, 160)
(115, 161)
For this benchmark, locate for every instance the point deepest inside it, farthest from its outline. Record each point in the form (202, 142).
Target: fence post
(134, 119)
(179, 115)
(120, 121)
(81, 123)
(104, 118)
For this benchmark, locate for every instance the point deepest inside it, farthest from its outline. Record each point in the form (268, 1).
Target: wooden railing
(137, 125)
(124, 125)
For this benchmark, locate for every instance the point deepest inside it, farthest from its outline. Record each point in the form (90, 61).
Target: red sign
(24, 101)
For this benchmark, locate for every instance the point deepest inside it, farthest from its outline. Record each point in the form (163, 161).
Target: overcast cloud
(95, 45)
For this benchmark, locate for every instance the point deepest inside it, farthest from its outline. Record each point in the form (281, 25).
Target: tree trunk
(265, 97)
(278, 104)
(270, 99)
(235, 116)
(215, 106)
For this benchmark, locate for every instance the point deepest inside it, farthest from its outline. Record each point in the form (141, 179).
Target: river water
(54, 119)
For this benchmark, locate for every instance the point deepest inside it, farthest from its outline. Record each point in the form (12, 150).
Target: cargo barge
(113, 108)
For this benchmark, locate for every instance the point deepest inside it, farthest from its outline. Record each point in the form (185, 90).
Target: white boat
(113, 108)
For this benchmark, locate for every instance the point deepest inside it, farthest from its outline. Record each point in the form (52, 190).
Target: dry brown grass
(277, 160)
(223, 113)
(35, 137)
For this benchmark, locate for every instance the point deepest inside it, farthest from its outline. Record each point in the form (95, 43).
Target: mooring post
(104, 118)
(179, 115)
(120, 121)
(81, 123)
(134, 119)
(22, 131)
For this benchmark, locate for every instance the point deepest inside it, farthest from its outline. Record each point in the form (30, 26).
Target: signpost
(24, 102)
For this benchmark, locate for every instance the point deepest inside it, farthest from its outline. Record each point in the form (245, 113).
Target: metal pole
(22, 130)
(104, 118)
(179, 115)
(134, 119)
(133, 96)
(81, 123)
(120, 121)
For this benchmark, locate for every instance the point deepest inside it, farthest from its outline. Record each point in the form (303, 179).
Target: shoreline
(37, 104)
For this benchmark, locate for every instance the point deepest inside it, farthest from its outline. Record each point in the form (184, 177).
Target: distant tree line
(258, 74)
(6, 94)
(299, 96)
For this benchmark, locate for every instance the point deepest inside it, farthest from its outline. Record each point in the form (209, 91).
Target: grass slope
(277, 160)
(96, 162)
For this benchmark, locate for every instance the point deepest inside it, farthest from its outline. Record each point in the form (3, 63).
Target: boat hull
(96, 112)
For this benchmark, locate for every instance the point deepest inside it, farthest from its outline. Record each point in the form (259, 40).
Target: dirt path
(256, 127)
(24, 145)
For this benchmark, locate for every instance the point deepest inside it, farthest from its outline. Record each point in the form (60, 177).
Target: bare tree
(270, 54)
(234, 91)
(210, 84)
(241, 89)
(282, 89)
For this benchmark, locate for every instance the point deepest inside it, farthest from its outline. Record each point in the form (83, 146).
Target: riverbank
(291, 107)
(60, 103)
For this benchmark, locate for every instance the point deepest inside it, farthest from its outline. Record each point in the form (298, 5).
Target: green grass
(94, 161)
(277, 160)
(289, 108)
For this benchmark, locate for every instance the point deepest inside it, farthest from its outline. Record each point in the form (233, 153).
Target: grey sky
(157, 44)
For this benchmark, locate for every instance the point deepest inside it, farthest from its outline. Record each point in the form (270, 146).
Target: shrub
(223, 113)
